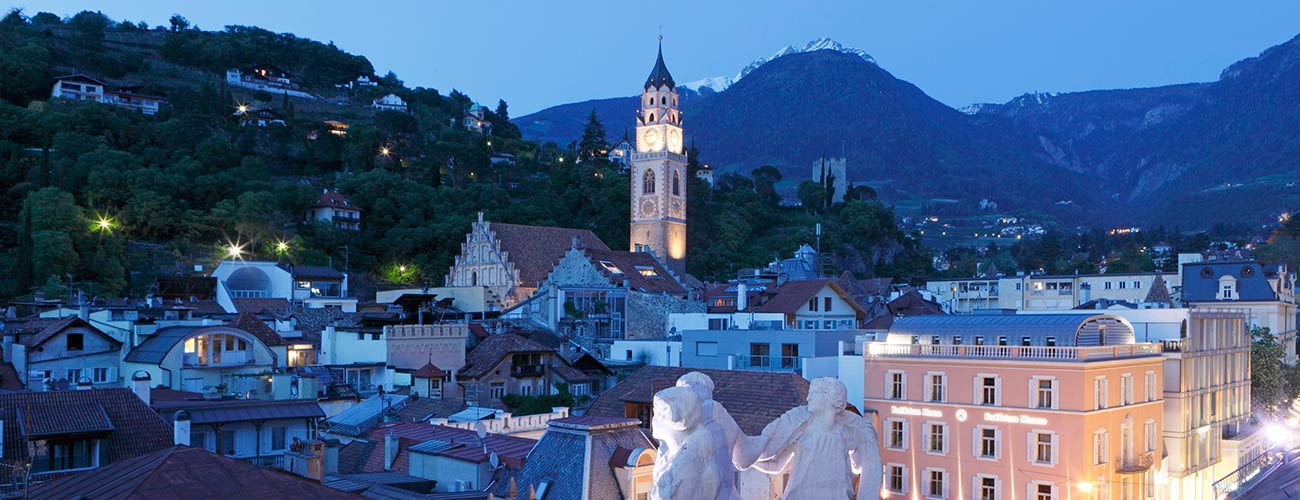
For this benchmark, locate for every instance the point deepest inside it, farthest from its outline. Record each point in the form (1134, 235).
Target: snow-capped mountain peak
(720, 83)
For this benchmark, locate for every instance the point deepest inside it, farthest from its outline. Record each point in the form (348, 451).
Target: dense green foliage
(102, 199)
(542, 403)
(1273, 384)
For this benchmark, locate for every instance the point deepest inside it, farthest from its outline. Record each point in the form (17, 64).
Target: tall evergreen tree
(503, 110)
(593, 141)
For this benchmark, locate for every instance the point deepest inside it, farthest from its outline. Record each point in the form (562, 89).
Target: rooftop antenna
(480, 430)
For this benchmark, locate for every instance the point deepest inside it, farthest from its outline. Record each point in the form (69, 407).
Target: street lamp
(281, 247)
(103, 224)
(1085, 486)
(235, 251)
(242, 109)
(384, 151)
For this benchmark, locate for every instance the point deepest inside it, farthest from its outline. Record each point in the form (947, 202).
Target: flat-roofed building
(1016, 406)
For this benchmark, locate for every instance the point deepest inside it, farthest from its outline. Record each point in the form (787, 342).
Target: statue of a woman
(685, 468)
(718, 422)
(823, 445)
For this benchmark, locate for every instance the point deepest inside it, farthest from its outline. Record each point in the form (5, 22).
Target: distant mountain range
(1189, 155)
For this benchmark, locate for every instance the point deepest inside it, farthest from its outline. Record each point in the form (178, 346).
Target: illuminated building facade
(659, 173)
(1012, 406)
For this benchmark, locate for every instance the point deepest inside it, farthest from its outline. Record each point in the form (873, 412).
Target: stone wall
(647, 314)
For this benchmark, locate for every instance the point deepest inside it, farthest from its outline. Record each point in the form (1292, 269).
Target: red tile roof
(793, 296)
(632, 264)
(753, 398)
(534, 250)
(9, 380)
(249, 322)
(429, 370)
(512, 450)
(53, 329)
(181, 472)
(258, 306)
(333, 199)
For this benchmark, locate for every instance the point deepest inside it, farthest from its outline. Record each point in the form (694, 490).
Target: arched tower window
(473, 278)
(648, 182)
(652, 116)
(663, 100)
(677, 184)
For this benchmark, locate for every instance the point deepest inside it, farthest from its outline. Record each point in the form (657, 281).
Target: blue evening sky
(540, 53)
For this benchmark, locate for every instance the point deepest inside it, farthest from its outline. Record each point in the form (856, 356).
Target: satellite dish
(494, 460)
(480, 428)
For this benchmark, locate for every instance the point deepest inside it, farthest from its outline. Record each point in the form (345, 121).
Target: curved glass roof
(1062, 330)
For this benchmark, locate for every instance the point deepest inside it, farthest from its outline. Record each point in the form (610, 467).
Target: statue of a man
(685, 468)
(823, 444)
(718, 422)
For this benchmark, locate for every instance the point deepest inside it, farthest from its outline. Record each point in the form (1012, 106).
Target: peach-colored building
(1017, 407)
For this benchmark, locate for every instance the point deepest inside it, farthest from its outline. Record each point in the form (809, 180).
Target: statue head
(676, 411)
(698, 382)
(827, 395)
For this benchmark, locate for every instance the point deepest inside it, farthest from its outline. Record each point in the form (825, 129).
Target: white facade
(390, 102)
(346, 348)
(650, 352)
(251, 279)
(238, 78)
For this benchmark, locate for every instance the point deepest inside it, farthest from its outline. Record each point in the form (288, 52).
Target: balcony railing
(1241, 480)
(1033, 353)
(527, 370)
(265, 461)
(768, 363)
(1136, 464)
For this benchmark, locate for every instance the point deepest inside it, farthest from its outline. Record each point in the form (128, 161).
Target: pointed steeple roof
(1159, 292)
(659, 76)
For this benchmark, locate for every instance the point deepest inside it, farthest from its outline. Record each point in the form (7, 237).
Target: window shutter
(978, 388)
(1056, 393)
(1032, 442)
(1056, 450)
(975, 441)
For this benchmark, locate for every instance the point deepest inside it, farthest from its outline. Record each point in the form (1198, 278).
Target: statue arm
(777, 463)
(864, 457)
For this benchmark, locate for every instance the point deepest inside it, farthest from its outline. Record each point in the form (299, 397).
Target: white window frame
(1100, 446)
(1032, 492)
(977, 443)
(1055, 392)
(977, 485)
(1152, 383)
(929, 387)
(979, 389)
(1126, 389)
(889, 430)
(925, 482)
(1031, 453)
(1100, 390)
(903, 469)
(944, 436)
(889, 382)
(1150, 435)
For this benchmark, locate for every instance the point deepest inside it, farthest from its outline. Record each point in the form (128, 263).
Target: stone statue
(823, 444)
(685, 468)
(718, 422)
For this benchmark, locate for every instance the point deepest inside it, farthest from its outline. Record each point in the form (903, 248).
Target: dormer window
(609, 266)
(1207, 273)
(1227, 288)
(647, 271)
(1247, 272)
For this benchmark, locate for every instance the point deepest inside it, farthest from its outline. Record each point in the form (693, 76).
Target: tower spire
(659, 76)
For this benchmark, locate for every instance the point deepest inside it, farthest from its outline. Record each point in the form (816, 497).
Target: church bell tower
(659, 173)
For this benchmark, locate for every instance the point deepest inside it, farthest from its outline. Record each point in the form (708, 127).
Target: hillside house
(260, 116)
(507, 363)
(266, 78)
(475, 120)
(250, 285)
(389, 102)
(81, 87)
(333, 207)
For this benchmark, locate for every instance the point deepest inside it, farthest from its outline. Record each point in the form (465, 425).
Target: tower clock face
(675, 140)
(653, 140)
(647, 208)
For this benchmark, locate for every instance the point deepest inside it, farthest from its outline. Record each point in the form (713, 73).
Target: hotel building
(1037, 407)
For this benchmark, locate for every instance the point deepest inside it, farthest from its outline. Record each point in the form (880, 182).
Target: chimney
(331, 457)
(742, 297)
(390, 450)
(181, 428)
(140, 382)
(83, 310)
(308, 386)
(280, 385)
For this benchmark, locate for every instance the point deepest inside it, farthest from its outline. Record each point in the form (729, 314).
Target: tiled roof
(259, 306)
(490, 351)
(753, 398)
(792, 296)
(1201, 281)
(912, 303)
(512, 450)
(1159, 291)
(631, 264)
(659, 76)
(424, 408)
(534, 250)
(132, 429)
(250, 323)
(53, 329)
(316, 273)
(154, 348)
(215, 412)
(361, 417)
(9, 380)
(81, 77)
(181, 472)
